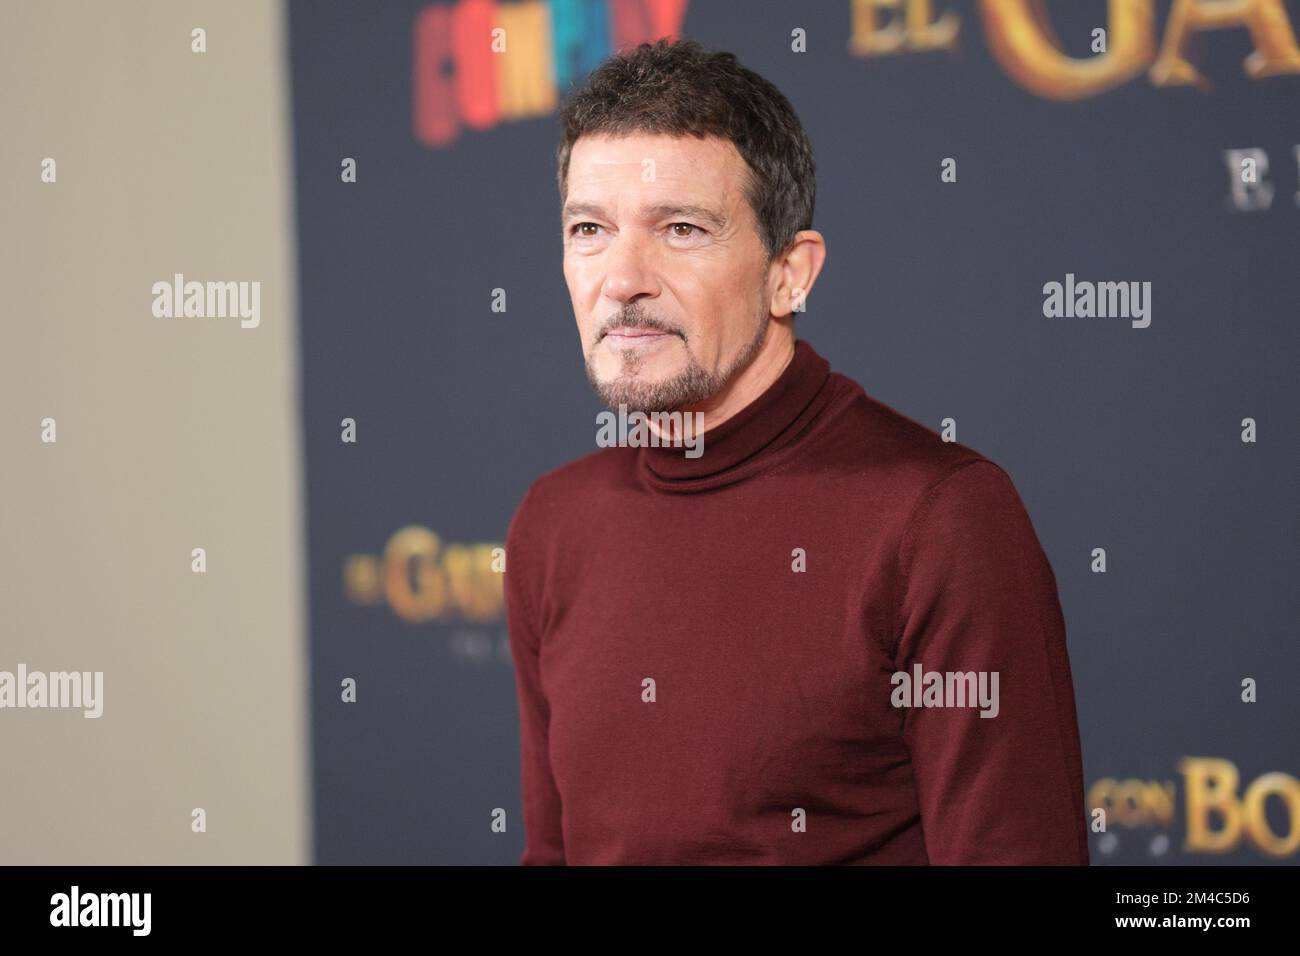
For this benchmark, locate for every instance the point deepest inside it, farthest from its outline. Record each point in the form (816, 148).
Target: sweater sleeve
(978, 594)
(543, 836)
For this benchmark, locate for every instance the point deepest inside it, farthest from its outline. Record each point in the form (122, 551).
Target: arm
(978, 594)
(543, 837)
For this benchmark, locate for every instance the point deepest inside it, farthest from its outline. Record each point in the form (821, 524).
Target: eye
(580, 225)
(688, 225)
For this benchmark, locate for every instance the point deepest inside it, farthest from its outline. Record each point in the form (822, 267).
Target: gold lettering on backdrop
(472, 585)
(421, 580)
(1217, 820)
(1270, 30)
(414, 549)
(1133, 803)
(1211, 787)
(1024, 43)
(917, 28)
(1285, 787)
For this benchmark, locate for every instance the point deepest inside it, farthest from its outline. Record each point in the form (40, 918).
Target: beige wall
(172, 434)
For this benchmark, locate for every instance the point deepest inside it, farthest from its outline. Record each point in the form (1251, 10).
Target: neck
(751, 381)
(752, 431)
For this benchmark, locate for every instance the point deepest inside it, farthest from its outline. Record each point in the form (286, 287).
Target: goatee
(690, 386)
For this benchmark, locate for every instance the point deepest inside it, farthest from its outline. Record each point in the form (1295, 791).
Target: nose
(629, 271)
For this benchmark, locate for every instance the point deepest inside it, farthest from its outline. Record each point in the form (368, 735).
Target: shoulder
(551, 498)
(893, 450)
(914, 485)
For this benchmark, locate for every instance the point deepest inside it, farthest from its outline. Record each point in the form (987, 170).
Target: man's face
(665, 267)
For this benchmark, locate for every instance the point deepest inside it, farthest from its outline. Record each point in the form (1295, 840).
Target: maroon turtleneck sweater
(771, 732)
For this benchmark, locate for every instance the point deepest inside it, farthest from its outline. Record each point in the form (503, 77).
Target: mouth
(636, 338)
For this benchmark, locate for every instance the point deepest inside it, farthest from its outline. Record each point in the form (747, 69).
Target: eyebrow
(661, 211)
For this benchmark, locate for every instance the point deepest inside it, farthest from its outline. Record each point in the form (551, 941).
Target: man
(831, 637)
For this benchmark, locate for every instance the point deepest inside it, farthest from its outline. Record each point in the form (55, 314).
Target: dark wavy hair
(681, 89)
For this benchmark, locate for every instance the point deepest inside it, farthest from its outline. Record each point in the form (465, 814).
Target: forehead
(683, 167)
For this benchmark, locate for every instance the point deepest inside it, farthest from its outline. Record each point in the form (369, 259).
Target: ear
(792, 274)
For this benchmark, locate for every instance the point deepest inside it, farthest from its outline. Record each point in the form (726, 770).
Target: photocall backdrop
(968, 155)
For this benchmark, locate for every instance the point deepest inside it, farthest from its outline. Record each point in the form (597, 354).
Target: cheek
(582, 282)
(722, 300)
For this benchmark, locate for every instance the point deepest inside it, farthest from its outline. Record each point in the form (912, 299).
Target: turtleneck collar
(741, 444)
